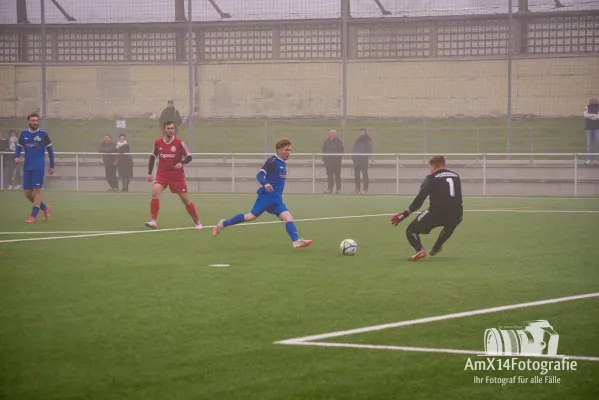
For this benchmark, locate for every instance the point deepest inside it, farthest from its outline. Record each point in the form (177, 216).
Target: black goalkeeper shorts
(427, 221)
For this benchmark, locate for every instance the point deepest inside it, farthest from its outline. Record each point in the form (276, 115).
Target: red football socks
(191, 210)
(154, 207)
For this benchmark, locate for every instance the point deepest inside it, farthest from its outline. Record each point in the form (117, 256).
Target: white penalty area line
(438, 350)
(313, 340)
(114, 233)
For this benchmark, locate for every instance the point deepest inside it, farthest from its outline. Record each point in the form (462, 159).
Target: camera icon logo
(535, 338)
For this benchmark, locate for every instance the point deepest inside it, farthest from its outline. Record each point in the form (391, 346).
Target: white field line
(434, 319)
(93, 235)
(55, 232)
(436, 350)
(113, 233)
(185, 228)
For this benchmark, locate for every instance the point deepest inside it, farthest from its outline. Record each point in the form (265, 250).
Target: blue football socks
(292, 231)
(34, 211)
(234, 221)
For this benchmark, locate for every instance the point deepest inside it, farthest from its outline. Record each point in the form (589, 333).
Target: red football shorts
(177, 185)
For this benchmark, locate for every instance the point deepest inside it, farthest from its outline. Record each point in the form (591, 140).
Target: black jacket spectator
(170, 113)
(363, 145)
(108, 148)
(332, 145)
(333, 163)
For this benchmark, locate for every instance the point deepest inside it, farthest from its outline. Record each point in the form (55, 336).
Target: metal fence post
(43, 57)
(575, 174)
(266, 134)
(424, 135)
(1, 171)
(131, 134)
(77, 171)
(510, 45)
(313, 173)
(484, 174)
(85, 141)
(233, 173)
(345, 15)
(531, 145)
(477, 142)
(191, 75)
(397, 174)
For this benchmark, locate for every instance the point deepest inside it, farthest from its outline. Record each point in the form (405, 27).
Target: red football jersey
(169, 155)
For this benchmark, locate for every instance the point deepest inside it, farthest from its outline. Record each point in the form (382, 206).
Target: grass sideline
(548, 135)
(146, 317)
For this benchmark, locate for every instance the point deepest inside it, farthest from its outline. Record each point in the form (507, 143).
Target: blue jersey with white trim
(34, 144)
(274, 171)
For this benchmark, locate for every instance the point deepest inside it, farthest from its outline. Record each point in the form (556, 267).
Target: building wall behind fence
(548, 87)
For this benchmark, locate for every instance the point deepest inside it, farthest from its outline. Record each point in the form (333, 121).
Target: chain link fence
(441, 75)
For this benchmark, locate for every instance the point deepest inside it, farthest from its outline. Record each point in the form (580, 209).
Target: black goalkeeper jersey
(445, 191)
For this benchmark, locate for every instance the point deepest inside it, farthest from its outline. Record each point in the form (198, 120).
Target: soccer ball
(348, 247)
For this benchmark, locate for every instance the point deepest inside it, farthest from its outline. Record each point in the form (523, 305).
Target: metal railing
(377, 160)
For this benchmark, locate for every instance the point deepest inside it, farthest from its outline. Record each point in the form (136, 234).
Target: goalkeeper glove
(397, 218)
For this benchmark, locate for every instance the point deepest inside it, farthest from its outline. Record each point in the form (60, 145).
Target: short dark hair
(33, 115)
(166, 123)
(123, 135)
(282, 143)
(438, 161)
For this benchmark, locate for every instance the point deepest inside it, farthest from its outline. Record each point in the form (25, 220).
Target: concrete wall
(550, 87)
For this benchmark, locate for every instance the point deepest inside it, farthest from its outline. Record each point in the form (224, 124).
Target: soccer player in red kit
(172, 155)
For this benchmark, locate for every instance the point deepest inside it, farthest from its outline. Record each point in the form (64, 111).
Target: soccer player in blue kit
(270, 196)
(34, 143)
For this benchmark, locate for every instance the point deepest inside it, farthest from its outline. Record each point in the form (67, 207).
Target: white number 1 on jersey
(451, 187)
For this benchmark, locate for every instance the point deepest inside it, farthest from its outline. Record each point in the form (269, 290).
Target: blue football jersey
(276, 173)
(34, 144)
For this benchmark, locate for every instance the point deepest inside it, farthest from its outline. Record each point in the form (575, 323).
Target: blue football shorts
(271, 204)
(33, 179)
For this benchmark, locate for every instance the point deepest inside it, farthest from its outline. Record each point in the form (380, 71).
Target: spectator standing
(13, 140)
(124, 162)
(110, 162)
(363, 145)
(332, 163)
(6, 160)
(170, 113)
(591, 120)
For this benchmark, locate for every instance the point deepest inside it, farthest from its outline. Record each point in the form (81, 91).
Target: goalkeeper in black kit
(445, 190)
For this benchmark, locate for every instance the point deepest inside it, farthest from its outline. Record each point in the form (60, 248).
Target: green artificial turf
(144, 316)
